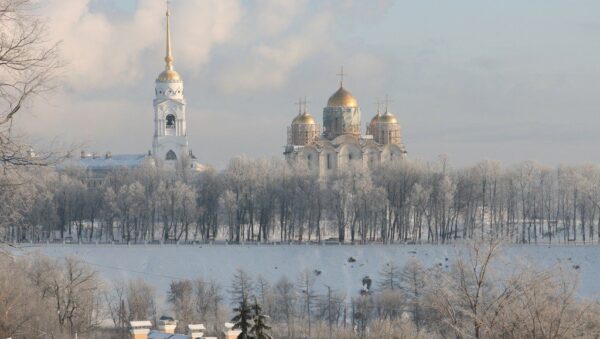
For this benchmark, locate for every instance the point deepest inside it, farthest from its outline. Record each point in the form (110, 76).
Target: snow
(101, 162)
(160, 264)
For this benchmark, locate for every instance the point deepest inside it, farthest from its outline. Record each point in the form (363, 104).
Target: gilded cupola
(388, 118)
(342, 98)
(304, 118)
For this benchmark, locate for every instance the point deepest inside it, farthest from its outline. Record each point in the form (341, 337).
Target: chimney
(139, 329)
(167, 324)
(230, 333)
(196, 331)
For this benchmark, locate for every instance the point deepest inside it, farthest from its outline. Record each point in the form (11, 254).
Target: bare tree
(305, 285)
(28, 65)
(390, 275)
(242, 287)
(180, 296)
(285, 305)
(141, 300)
(73, 291)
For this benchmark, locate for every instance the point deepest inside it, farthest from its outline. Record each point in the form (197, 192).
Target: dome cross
(304, 102)
(387, 102)
(299, 103)
(378, 102)
(341, 74)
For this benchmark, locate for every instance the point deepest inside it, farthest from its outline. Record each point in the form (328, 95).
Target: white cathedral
(341, 143)
(169, 145)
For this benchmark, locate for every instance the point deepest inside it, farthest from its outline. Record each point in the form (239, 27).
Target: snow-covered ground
(159, 265)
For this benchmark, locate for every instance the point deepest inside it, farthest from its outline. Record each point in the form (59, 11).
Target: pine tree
(241, 320)
(260, 327)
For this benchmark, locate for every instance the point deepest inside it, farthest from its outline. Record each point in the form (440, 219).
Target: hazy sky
(510, 80)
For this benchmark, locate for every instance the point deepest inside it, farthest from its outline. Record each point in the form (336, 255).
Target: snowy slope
(161, 264)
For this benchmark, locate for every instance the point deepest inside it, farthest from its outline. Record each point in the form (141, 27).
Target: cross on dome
(299, 103)
(341, 74)
(378, 102)
(305, 105)
(387, 102)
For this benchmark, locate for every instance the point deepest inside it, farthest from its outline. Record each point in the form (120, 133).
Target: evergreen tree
(260, 327)
(241, 320)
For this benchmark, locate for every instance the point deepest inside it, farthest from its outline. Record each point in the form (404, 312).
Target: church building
(169, 144)
(340, 143)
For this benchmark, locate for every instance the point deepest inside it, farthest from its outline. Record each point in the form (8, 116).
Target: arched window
(170, 121)
(171, 155)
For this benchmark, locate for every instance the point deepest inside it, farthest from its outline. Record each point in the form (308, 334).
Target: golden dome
(304, 118)
(169, 75)
(342, 98)
(388, 118)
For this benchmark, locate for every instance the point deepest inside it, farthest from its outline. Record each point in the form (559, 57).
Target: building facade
(341, 143)
(170, 135)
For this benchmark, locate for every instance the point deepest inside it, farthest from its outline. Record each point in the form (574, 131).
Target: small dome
(388, 118)
(304, 118)
(169, 75)
(342, 98)
(375, 118)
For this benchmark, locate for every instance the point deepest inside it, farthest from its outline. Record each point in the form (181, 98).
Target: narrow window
(328, 161)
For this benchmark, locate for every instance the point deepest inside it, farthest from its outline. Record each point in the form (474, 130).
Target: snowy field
(159, 265)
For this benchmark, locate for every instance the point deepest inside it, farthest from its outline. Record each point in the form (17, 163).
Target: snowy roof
(102, 162)
(162, 335)
(140, 323)
(196, 327)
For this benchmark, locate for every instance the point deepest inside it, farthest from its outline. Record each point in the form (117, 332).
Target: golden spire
(168, 74)
(169, 56)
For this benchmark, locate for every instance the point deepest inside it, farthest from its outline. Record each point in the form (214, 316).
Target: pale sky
(509, 80)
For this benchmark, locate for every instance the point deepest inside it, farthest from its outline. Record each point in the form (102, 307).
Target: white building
(169, 144)
(170, 135)
(341, 143)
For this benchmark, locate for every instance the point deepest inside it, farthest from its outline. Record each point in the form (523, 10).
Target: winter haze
(505, 80)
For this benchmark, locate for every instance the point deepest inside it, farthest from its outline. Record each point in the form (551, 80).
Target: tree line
(469, 296)
(267, 200)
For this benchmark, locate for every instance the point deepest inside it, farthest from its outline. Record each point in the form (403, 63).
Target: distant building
(169, 144)
(167, 329)
(341, 143)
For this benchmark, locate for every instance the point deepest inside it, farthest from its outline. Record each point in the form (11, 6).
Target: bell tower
(170, 139)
